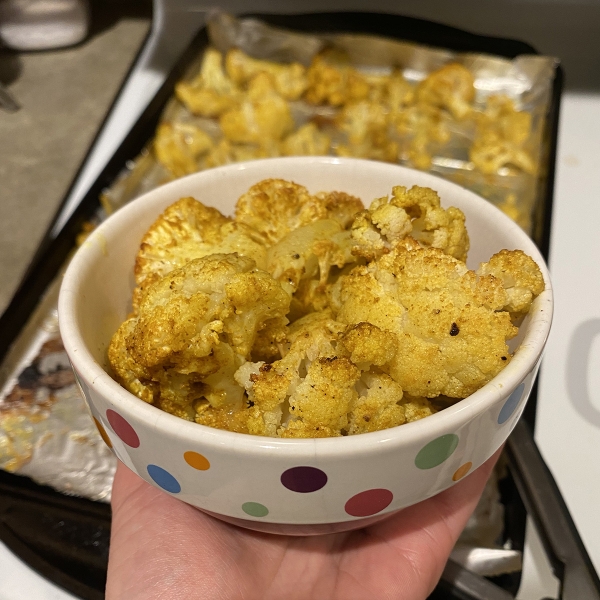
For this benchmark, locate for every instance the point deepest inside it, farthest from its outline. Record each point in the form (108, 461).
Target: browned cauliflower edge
(308, 316)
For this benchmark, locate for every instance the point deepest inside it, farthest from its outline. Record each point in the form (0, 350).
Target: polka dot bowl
(283, 485)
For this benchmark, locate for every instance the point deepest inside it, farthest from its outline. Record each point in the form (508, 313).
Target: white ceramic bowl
(286, 485)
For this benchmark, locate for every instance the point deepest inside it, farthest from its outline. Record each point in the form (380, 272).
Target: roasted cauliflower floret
(303, 261)
(381, 404)
(451, 87)
(368, 345)
(365, 124)
(220, 297)
(490, 153)
(224, 153)
(131, 375)
(422, 127)
(501, 136)
(211, 93)
(269, 386)
(187, 230)
(179, 147)
(309, 253)
(328, 384)
(238, 421)
(399, 92)
(320, 403)
(274, 207)
(449, 323)
(520, 276)
(415, 212)
(289, 79)
(307, 140)
(340, 207)
(263, 118)
(195, 327)
(332, 81)
(378, 406)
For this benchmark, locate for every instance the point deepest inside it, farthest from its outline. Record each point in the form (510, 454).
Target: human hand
(163, 548)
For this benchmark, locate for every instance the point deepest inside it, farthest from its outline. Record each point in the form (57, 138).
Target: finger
(426, 533)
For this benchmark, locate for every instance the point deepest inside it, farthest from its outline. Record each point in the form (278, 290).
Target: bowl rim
(446, 421)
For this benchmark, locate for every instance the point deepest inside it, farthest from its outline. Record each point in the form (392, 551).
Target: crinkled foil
(45, 430)
(526, 80)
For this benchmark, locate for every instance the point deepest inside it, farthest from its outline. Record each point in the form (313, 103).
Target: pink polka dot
(369, 502)
(122, 428)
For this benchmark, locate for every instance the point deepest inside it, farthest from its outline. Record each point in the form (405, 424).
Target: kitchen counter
(64, 95)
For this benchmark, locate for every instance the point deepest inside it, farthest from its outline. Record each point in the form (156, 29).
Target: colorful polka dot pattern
(123, 429)
(255, 509)
(462, 471)
(164, 479)
(306, 479)
(196, 461)
(369, 502)
(303, 479)
(436, 451)
(511, 404)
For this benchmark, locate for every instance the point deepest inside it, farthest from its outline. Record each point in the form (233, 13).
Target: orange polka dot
(196, 461)
(462, 471)
(102, 433)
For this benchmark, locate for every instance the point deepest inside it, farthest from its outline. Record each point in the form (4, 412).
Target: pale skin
(164, 549)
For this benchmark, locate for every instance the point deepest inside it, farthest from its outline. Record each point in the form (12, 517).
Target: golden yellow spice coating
(450, 328)
(262, 118)
(320, 403)
(366, 125)
(307, 140)
(275, 207)
(520, 277)
(381, 404)
(270, 386)
(252, 108)
(179, 147)
(332, 82)
(328, 384)
(423, 126)
(129, 373)
(340, 206)
(186, 230)
(304, 258)
(501, 138)
(225, 152)
(415, 212)
(451, 87)
(289, 80)
(369, 345)
(194, 328)
(211, 93)
(384, 313)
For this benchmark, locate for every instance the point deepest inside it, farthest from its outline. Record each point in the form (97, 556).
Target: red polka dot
(369, 502)
(122, 428)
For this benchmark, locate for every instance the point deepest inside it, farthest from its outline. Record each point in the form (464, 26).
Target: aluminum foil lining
(46, 431)
(526, 80)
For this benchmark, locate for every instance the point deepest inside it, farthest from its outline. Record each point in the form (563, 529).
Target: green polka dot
(437, 451)
(254, 509)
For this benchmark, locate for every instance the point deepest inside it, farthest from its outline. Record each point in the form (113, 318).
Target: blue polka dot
(511, 404)
(164, 479)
